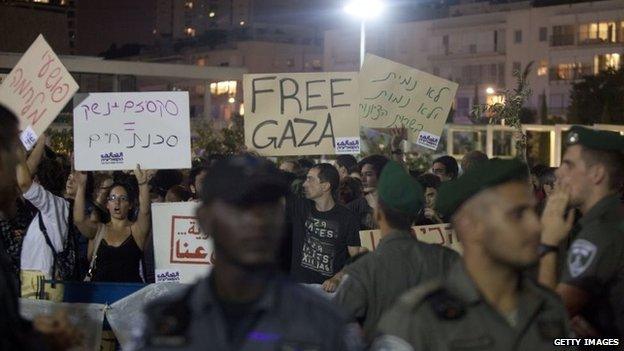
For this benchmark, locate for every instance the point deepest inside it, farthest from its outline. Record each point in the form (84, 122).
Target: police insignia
(581, 256)
(573, 138)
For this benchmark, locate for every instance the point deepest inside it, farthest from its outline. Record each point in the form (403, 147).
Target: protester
(290, 166)
(349, 190)
(324, 233)
(370, 169)
(428, 216)
(178, 193)
(374, 282)
(484, 302)
(49, 248)
(592, 283)
(244, 304)
(472, 159)
(445, 168)
(346, 165)
(546, 185)
(116, 248)
(162, 181)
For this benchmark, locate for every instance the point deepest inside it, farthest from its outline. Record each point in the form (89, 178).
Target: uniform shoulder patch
(446, 306)
(581, 255)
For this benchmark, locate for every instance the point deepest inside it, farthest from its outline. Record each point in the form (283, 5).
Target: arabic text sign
(182, 252)
(302, 113)
(433, 234)
(115, 131)
(395, 95)
(37, 89)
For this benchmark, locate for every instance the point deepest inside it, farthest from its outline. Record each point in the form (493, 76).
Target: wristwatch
(544, 249)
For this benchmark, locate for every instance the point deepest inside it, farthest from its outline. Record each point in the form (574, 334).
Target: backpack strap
(43, 229)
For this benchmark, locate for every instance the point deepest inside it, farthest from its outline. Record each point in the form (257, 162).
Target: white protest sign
(117, 131)
(182, 252)
(441, 234)
(395, 95)
(302, 113)
(37, 89)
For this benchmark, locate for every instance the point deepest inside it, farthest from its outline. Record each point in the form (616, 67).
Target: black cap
(243, 181)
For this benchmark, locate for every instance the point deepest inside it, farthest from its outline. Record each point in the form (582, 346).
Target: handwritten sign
(395, 95)
(37, 89)
(441, 234)
(302, 113)
(115, 131)
(182, 252)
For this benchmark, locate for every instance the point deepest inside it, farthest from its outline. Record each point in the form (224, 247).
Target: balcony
(563, 74)
(562, 40)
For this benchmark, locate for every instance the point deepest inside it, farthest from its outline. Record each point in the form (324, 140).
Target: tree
(543, 116)
(598, 99)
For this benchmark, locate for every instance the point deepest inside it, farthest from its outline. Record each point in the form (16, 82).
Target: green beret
(486, 174)
(595, 139)
(399, 191)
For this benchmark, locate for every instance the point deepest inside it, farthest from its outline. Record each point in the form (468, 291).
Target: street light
(364, 10)
(489, 90)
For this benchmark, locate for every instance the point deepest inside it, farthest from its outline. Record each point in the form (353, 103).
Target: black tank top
(118, 264)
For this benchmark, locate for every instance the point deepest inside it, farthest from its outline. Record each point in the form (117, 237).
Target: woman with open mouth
(116, 247)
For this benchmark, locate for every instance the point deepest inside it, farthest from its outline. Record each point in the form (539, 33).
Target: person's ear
(598, 173)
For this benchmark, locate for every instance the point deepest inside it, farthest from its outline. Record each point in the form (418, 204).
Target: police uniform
(451, 314)
(595, 259)
(287, 317)
(400, 262)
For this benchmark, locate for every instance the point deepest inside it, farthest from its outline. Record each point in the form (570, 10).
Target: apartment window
(562, 35)
(542, 70)
(567, 71)
(543, 33)
(599, 32)
(518, 36)
(607, 61)
(190, 32)
(515, 67)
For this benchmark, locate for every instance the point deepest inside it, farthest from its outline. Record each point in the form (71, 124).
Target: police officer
(484, 303)
(243, 304)
(374, 282)
(592, 282)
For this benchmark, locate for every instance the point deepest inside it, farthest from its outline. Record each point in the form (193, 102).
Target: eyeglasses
(113, 198)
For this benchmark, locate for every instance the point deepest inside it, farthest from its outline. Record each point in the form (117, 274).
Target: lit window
(42, 1)
(242, 23)
(543, 68)
(599, 32)
(241, 109)
(224, 87)
(189, 4)
(604, 62)
(211, 14)
(190, 32)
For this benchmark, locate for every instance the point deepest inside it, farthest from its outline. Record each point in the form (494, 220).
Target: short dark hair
(396, 219)
(349, 190)
(378, 162)
(613, 162)
(347, 161)
(472, 159)
(164, 179)
(429, 180)
(8, 132)
(328, 173)
(450, 163)
(305, 164)
(52, 175)
(547, 177)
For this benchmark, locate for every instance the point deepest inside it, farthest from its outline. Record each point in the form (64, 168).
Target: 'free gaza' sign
(302, 113)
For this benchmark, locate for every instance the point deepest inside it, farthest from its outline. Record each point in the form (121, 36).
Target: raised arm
(24, 177)
(144, 219)
(35, 156)
(82, 222)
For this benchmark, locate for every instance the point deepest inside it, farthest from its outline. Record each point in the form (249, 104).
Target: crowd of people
(543, 248)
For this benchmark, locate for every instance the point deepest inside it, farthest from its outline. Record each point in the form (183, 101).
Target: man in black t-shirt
(325, 233)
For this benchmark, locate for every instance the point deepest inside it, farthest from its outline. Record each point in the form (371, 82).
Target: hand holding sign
(141, 176)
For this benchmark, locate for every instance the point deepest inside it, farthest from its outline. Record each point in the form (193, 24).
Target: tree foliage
(598, 99)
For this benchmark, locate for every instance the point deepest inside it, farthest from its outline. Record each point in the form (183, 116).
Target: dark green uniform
(375, 281)
(595, 264)
(452, 315)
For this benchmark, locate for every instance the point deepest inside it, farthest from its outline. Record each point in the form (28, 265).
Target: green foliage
(598, 99)
(61, 140)
(209, 140)
(511, 110)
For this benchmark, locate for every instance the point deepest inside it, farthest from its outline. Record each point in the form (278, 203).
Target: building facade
(480, 45)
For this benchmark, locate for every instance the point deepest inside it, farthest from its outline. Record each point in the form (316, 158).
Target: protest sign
(433, 234)
(395, 95)
(182, 252)
(37, 89)
(117, 131)
(302, 113)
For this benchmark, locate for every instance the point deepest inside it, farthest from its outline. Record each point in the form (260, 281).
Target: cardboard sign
(432, 234)
(395, 95)
(302, 113)
(117, 131)
(182, 252)
(37, 89)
